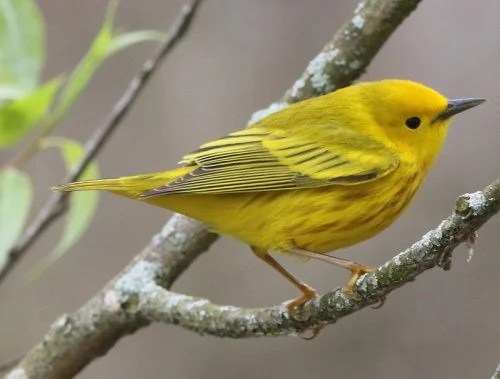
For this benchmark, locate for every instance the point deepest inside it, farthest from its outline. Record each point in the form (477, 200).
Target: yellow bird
(319, 175)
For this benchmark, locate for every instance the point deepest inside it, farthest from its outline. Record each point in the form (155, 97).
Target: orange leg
(309, 293)
(356, 269)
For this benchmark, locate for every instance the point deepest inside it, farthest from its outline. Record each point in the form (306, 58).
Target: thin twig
(57, 203)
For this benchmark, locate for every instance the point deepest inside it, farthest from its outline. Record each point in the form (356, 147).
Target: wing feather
(259, 159)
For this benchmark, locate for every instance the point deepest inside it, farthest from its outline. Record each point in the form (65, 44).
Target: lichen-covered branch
(56, 205)
(75, 340)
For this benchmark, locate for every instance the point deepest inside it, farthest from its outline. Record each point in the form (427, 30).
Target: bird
(319, 175)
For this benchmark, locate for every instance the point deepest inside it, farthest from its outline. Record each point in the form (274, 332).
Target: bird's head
(411, 116)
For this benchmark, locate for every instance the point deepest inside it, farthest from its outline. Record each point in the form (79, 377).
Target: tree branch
(57, 203)
(75, 340)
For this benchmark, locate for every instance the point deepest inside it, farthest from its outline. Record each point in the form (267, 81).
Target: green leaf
(105, 44)
(18, 117)
(82, 204)
(22, 45)
(16, 194)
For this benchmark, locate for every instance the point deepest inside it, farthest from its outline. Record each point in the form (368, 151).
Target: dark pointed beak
(456, 106)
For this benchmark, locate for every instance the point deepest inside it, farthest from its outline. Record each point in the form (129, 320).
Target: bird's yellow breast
(317, 219)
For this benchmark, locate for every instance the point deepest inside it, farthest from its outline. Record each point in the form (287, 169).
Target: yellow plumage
(319, 175)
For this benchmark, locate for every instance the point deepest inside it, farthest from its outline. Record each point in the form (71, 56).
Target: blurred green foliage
(31, 111)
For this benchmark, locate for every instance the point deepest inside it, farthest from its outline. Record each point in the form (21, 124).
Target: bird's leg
(356, 269)
(309, 293)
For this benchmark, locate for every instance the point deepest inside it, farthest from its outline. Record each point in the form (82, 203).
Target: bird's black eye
(413, 122)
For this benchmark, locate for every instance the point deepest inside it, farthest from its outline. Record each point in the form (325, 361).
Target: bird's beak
(456, 106)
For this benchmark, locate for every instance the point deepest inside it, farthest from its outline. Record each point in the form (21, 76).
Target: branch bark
(75, 340)
(56, 205)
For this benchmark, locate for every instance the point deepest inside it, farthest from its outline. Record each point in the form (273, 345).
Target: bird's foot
(293, 306)
(309, 293)
(358, 271)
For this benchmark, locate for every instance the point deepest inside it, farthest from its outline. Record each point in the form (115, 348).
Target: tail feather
(115, 184)
(129, 186)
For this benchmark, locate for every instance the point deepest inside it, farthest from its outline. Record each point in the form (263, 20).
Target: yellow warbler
(322, 174)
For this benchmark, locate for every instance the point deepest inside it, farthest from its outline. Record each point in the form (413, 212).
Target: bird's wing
(257, 159)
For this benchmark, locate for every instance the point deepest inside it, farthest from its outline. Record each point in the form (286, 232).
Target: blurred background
(240, 56)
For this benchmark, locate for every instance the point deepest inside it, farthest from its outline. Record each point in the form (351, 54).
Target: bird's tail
(129, 186)
(88, 185)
